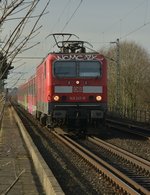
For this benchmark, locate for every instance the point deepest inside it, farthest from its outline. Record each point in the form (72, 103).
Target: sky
(97, 21)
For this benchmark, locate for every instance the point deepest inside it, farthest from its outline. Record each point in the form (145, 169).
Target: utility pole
(118, 76)
(117, 103)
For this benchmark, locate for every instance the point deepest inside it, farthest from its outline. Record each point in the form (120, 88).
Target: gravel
(132, 143)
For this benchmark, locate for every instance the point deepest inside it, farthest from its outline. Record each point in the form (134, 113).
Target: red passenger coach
(70, 86)
(27, 96)
(31, 96)
(22, 95)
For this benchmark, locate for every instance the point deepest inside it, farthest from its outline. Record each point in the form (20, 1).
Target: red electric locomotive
(71, 86)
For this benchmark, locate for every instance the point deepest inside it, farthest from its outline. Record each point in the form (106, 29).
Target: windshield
(65, 69)
(77, 69)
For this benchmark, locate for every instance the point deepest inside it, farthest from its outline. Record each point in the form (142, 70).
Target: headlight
(56, 98)
(98, 98)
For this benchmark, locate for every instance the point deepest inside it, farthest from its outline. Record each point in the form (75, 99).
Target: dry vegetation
(134, 78)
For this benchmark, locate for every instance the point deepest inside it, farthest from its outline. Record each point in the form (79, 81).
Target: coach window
(45, 70)
(33, 87)
(65, 69)
(30, 91)
(28, 88)
(89, 69)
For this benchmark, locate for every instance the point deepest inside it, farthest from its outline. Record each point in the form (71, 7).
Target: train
(69, 87)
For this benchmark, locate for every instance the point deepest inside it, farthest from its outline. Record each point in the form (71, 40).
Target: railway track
(103, 178)
(71, 171)
(130, 128)
(125, 183)
(130, 168)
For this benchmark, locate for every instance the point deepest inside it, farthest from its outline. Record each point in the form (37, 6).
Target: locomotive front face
(77, 78)
(79, 84)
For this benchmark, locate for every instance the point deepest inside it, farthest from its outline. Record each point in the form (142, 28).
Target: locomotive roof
(72, 55)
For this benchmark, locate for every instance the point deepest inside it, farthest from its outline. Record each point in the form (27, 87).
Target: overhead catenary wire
(145, 2)
(60, 16)
(135, 30)
(19, 66)
(68, 21)
(16, 82)
(70, 18)
(120, 21)
(73, 14)
(139, 27)
(125, 16)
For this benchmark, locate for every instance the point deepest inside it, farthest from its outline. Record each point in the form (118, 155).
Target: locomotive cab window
(77, 69)
(65, 69)
(89, 69)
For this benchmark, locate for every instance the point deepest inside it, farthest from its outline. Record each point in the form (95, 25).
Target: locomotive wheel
(98, 123)
(61, 122)
(71, 124)
(38, 114)
(49, 122)
(49, 125)
(43, 119)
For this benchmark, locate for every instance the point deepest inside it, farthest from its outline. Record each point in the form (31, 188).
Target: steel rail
(119, 179)
(123, 153)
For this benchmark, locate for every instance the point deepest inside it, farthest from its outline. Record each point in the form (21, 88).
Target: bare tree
(15, 43)
(134, 77)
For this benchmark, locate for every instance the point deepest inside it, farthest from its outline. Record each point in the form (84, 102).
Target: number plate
(77, 89)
